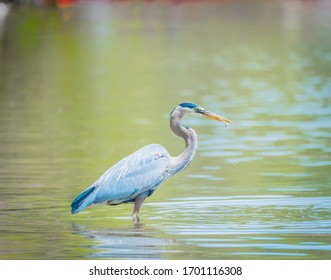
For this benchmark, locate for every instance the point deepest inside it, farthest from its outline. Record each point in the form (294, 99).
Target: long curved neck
(191, 143)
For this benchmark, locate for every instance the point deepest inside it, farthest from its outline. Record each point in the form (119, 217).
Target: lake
(83, 86)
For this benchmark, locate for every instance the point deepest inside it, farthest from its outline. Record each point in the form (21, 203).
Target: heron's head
(189, 107)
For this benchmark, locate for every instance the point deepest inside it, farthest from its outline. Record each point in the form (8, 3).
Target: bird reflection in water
(134, 242)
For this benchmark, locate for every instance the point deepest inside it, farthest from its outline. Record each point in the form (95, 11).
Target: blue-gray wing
(141, 171)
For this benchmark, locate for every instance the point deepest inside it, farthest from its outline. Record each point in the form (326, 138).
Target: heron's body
(138, 175)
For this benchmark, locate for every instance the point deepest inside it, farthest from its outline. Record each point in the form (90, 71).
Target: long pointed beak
(213, 116)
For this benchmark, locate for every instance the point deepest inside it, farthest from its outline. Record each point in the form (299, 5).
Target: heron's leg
(137, 203)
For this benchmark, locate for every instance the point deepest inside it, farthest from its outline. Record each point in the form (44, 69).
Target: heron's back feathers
(138, 174)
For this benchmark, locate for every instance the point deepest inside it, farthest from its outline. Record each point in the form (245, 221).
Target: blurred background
(85, 83)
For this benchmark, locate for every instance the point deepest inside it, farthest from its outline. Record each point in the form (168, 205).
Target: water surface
(83, 86)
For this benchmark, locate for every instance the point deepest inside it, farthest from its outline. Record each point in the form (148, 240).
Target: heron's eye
(199, 110)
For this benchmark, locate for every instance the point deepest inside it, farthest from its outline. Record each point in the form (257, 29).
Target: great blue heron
(137, 176)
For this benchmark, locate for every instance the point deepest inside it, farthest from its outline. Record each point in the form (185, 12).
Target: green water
(84, 86)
